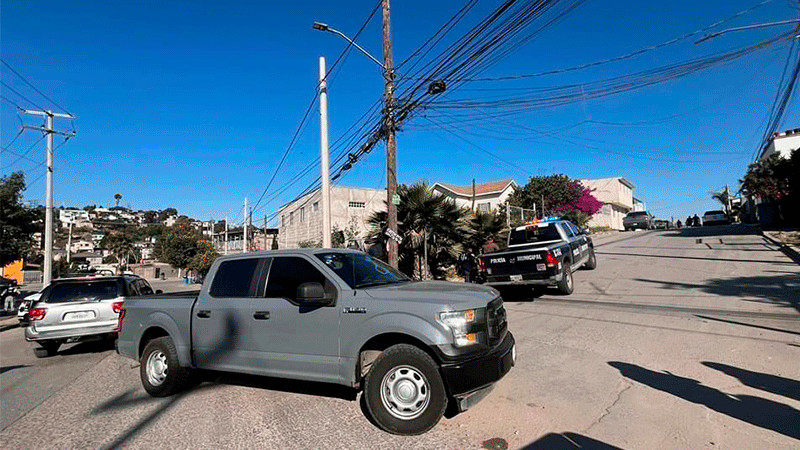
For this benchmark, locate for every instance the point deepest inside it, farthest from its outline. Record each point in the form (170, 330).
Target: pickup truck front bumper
(471, 379)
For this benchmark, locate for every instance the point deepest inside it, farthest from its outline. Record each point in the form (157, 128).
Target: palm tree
(723, 198)
(422, 210)
(485, 225)
(117, 198)
(122, 247)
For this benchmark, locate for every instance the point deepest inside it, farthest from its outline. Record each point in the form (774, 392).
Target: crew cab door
(222, 318)
(573, 241)
(292, 340)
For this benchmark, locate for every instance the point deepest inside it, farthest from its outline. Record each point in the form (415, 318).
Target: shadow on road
(785, 387)
(567, 441)
(5, 369)
(716, 230)
(757, 411)
(99, 346)
(782, 290)
(520, 293)
(752, 325)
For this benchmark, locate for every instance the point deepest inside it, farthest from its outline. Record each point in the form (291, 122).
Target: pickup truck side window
(287, 273)
(567, 229)
(235, 278)
(144, 288)
(133, 288)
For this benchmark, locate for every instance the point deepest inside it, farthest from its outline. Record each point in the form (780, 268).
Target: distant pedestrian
(689, 221)
(696, 220)
(678, 223)
(465, 263)
(490, 246)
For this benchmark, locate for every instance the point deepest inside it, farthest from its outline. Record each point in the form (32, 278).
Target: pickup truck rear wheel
(591, 263)
(404, 392)
(565, 286)
(161, 374)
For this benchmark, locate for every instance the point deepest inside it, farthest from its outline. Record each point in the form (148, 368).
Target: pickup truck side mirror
(312, 294)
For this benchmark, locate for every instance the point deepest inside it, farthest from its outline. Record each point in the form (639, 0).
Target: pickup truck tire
(404, 391)
(565, 286)
(161, 374)
(591, 263)
(47, 349)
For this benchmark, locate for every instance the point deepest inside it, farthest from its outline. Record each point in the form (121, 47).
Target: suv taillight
(122, 314)
(37, 314)
(116, 306)
(550, 259)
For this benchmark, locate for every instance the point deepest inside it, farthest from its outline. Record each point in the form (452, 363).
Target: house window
(291, 218)
(315, 207)
(303, 214)
(357, 204)
(283, 220)
(606, 209)
(484, 207)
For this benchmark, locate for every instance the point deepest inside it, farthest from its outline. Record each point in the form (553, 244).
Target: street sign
(396, 199)
(391, 233)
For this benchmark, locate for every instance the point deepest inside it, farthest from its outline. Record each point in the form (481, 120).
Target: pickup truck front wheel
(161, 374)
(404, 392)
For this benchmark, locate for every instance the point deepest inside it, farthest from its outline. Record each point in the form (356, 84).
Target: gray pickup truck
(416, 349)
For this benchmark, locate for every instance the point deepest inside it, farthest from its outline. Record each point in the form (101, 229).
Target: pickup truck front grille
(496, 323)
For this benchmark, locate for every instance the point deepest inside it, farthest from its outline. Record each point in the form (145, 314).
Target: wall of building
(610, 216)
(301, 220)
(783, 143)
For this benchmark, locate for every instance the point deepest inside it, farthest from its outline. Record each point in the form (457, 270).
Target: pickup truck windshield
(85, 291)
(360, 271)
(534, 234)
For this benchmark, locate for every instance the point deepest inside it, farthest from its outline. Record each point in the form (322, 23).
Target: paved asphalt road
(679, 339)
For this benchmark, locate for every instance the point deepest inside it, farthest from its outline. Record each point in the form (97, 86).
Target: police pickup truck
(540, 253)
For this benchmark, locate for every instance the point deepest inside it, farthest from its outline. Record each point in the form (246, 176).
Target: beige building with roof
(616, 193)
(485, 197)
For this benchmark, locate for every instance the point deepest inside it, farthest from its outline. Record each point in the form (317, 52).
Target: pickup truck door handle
(204, 314)
(261, 315)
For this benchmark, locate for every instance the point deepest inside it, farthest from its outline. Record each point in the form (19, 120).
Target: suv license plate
(516, 277)
(79, 315)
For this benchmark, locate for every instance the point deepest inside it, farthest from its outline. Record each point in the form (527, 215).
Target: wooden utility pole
(473, 194)
(391, 141)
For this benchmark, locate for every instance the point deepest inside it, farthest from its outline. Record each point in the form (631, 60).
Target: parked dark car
(638, 220)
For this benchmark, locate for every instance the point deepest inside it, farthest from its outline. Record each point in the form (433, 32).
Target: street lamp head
(320, 26)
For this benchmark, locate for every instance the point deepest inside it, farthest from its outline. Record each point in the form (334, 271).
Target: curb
(789, 250)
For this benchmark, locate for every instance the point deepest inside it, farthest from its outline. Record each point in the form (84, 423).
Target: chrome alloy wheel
(405, 392)
(156, 368)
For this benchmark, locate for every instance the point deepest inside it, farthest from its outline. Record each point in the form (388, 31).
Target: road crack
(607, 410)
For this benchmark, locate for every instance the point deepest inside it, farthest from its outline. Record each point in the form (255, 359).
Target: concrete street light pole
(325, 166)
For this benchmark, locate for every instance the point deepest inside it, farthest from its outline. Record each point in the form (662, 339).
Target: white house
(485, 197)
(617, 196)
(66, 216)
(781, 143)
(301, 220)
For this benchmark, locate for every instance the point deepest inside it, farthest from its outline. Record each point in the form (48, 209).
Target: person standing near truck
(465, 262)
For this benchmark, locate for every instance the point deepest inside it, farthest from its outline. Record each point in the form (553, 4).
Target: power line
(33, 87)
(10, 101)
(20, 95)
(24, 154)
(302, 124)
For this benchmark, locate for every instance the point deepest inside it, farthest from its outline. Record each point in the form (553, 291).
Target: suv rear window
(713, 213)
(84, 291)
(637, 214)
(534, 234)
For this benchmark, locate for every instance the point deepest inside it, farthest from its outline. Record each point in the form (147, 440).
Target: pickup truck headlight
(463, 325)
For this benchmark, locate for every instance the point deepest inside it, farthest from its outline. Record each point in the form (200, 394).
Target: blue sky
(192, 104)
